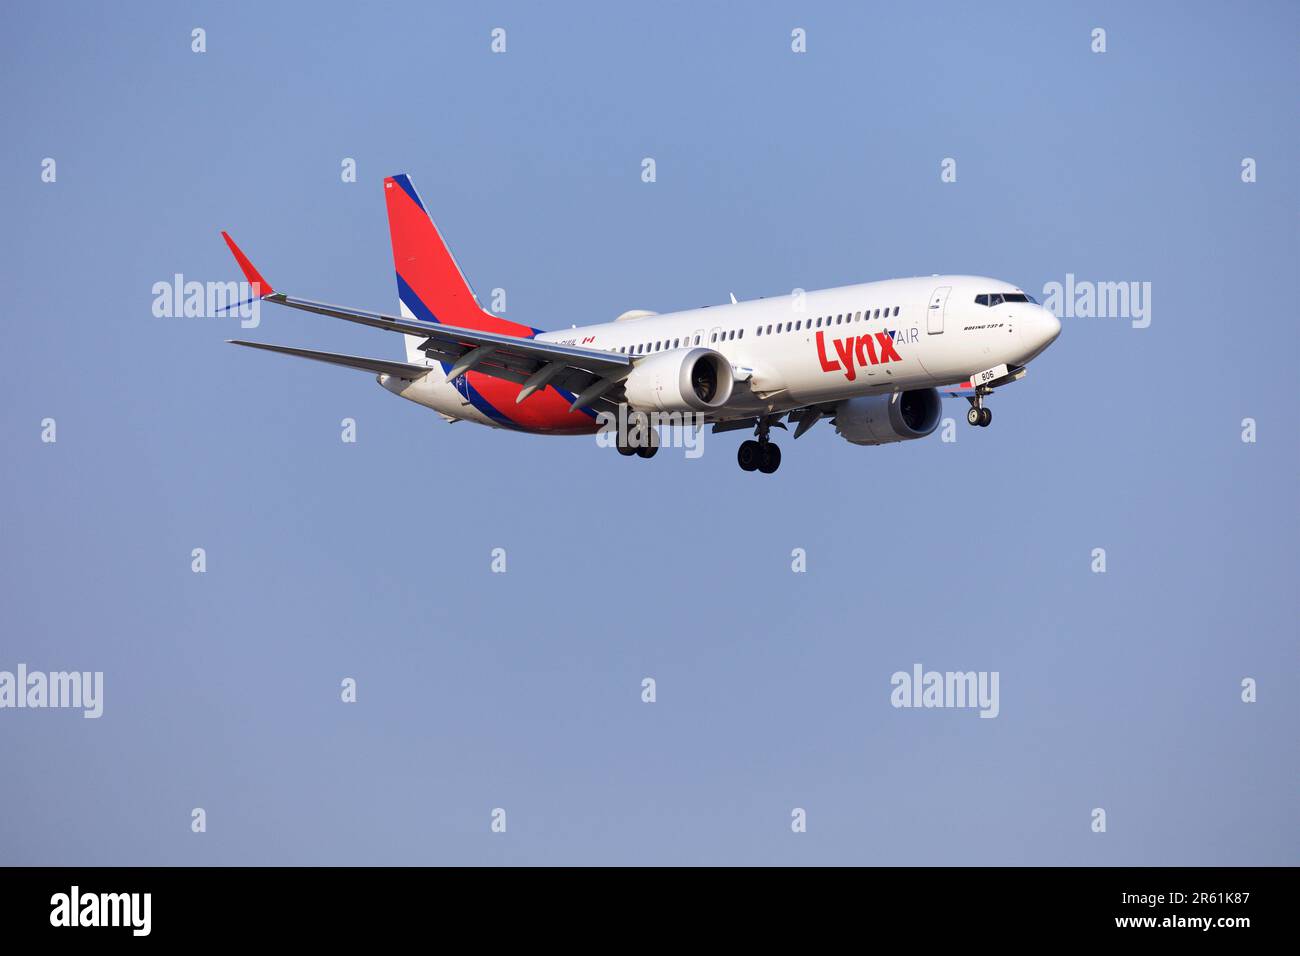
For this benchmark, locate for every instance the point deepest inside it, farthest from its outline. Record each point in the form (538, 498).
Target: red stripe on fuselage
(543, 411)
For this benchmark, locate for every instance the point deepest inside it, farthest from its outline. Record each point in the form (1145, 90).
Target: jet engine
(683, 380)
(880, 419)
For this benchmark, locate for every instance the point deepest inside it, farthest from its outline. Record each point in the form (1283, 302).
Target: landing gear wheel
(748, 455)
(651, 446)
(771, 459)
(626, 451)
(975, 416)
(986, 416)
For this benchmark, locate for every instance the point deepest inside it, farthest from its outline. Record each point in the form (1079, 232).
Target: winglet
(261, 288)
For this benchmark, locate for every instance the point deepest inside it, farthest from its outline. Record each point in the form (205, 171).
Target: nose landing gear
(978, 415)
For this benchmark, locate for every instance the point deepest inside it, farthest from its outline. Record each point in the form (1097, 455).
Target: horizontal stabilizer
(378, 366)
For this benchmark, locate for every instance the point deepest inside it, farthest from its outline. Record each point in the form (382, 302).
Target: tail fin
(430, 285)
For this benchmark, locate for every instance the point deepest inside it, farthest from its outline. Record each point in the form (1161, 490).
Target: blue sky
(521, 690)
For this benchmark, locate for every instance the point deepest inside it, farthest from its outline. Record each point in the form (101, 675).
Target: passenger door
(938, 305)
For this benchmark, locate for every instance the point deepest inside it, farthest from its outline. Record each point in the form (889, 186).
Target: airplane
(875, 358)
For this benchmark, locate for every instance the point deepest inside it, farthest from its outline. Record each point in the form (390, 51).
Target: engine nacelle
(880, 419)
(684, 380)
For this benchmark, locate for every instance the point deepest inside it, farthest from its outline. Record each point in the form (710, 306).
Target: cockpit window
(997, 298)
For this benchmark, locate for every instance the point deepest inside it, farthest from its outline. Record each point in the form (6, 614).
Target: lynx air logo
(867, 349)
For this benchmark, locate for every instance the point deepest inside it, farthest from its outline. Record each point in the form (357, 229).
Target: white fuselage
(823, 346)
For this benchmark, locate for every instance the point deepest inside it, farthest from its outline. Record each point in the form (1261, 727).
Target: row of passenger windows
(997, 298)
(732, 334)
(658, 346)
(827, 320)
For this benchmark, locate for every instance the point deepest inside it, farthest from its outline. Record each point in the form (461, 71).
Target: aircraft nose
(1039, 330)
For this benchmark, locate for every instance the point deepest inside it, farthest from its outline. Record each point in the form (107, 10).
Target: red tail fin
(430, 285)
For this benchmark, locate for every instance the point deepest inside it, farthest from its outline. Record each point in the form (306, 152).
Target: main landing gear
(642, 442)
(979, 415)
(759, 455)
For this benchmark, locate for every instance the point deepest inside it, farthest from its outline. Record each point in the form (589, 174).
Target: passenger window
(697, 340)
(713, 337)
(895, 310)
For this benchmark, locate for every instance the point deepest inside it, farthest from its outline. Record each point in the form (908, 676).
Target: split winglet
(261, 288)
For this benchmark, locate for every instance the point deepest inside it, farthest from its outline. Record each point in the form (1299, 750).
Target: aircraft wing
(591, 374)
